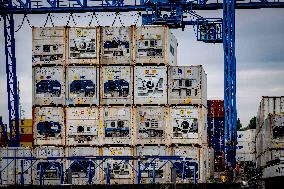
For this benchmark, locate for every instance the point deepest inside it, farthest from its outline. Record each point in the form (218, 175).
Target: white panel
(186, 85)
(82, 126)
(116, 45)
(49, 127)
(155, 45)
(83, 46)
(151, 125)
(49, 46)
(150, 85)
(117, 125)
(273, 171)
(120, 172)
(116, 85)
(49, 85)
(82, 85)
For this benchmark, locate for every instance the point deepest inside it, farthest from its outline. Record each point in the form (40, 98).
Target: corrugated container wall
(49, 46)
(150, 85)
(116, 85)
(117, 45)
(49, 126)
(49, 85)
(187, 85)
(155, 45)
(82, 85)
(82, 126)
(83, 45)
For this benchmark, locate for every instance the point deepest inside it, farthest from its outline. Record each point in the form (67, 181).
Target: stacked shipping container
(118, 91)
(216, 123)
(270, 134)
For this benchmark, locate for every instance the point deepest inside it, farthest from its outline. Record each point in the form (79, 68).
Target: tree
(239, 125)
(252, 123)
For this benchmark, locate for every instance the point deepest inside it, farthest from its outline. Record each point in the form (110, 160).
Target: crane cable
(47, 18)
(22, 23)
(94, 15)
(71, 16)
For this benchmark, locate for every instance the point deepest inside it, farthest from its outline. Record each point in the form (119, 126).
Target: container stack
(270, 135)
(216, 123)
(245, 152)
(116, 91)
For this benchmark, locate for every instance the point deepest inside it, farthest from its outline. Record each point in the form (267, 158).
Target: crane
(155, 12)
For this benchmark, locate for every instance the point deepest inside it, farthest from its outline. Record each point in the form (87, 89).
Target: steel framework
(154, 10)
(97, 163)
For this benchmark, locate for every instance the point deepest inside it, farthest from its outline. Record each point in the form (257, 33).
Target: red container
(215, 108)
(26, 138)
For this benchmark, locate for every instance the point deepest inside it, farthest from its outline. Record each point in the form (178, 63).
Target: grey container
(187, 85)
(82, 85)
(116, 85)
(155, 45)
(117, 45)
(49, 86)
(49, 46)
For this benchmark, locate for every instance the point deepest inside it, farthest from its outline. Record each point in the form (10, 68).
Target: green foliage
(239, 125)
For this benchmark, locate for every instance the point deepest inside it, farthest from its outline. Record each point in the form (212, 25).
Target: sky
(259, 55)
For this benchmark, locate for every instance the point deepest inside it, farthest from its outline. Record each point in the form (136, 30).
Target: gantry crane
(155, 12)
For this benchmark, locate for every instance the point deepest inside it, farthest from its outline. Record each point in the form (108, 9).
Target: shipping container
(246, 136)
(117, 45)
(273, 171)
(151, 124)
(216, 133)
(82, 126)
(215, 108)
(26, 137)
(158, 166)
(268, 105)
(155, 45)
(49, 126)
(116, 127)
(52, 170)
(82, 85)
(83, 45)
(244, 147)
(78, 169)
(245, 157)
(187, 85)
(49, 85)
(116, 85)
(150, 85)
(26, 144)
(49, 46)
(188, 125)
(120, 172)
(186, 152)
(11, 168)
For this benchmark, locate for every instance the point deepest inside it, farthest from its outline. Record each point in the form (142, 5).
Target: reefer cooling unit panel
(83, 45)
(151, 124)
(117, 125)
(116, 85)
(150, 85)
(82, 126)
(155, 44)
(82, 85)
(48, 85)
(116, 47)
(187, 85)
(49, 126)
(49, 46)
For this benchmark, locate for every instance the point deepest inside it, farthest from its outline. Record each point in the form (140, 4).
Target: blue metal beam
(229, 81)
(12, 88)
